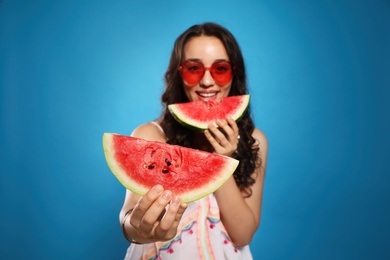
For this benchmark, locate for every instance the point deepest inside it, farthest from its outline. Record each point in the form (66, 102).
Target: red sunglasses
(193, 71)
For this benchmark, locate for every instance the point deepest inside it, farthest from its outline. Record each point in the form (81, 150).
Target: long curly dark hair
(248, 149)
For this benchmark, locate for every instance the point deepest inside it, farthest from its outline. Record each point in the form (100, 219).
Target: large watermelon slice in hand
(140, 164)
(198, 115)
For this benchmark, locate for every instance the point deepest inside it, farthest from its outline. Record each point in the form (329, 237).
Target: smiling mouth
(207, 95)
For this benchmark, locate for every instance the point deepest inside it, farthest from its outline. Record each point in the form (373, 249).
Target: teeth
(207, 95)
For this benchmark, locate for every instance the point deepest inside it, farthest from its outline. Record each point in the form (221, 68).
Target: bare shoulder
(262, 141)
(263, 145)
(149, 131)
(261, 138)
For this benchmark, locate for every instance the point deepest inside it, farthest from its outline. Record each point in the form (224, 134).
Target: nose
(207, 79)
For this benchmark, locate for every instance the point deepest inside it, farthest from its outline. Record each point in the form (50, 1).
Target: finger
(168, 226)
(169, 218)
(179, 214)
(214, 143)
(144, 204)
(217, 134)
(151, 216)
(228, 131)
(233, 124)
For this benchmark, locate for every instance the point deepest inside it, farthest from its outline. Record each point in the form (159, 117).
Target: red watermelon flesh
(199, 114)
(140, 164)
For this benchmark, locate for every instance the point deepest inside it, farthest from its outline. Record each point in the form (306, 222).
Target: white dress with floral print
(201, 235)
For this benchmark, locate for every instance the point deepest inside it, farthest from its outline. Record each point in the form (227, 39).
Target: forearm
(238, 218)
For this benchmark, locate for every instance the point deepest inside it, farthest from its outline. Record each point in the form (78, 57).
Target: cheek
(188, 90)
(226, 89)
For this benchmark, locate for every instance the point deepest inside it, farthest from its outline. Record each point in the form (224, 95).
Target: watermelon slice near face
(197, 115)
(140, 164)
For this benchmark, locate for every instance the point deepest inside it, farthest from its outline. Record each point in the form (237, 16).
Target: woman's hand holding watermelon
(224, 139)
(156, 216)
(152, 219)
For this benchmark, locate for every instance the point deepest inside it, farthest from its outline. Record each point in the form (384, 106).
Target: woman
(206, 64)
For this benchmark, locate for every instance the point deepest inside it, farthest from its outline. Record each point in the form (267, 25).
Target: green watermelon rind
(192, 195)
(115, 168)
(201, 126)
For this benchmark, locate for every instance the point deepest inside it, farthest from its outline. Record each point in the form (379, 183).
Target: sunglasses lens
(221, 72)
(192, 72)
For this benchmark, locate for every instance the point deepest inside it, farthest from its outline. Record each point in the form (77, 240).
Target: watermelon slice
(197, 115)
(140, 164)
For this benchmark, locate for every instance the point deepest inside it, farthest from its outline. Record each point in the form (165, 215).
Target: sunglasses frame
(197, 77)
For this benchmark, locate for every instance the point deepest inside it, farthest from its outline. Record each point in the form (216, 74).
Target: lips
(206, 96)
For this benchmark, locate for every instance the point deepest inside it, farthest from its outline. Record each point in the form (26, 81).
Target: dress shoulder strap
(158, 126)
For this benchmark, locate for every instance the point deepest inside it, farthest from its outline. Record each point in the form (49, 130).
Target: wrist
(125, 217)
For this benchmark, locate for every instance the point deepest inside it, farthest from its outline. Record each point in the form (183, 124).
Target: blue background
(318, 73)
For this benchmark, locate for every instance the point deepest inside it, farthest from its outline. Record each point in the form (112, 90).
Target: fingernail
(176, 200)
(157, 188)
(167, 194)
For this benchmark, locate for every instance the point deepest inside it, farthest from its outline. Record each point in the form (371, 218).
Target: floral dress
(201, 235)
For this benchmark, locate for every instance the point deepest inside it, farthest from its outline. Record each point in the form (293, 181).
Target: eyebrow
(197, 60)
